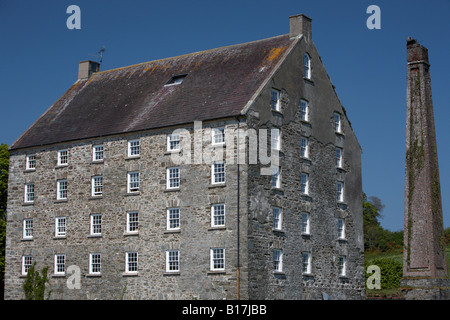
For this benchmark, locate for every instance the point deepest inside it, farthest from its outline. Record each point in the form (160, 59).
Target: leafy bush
(391, 272)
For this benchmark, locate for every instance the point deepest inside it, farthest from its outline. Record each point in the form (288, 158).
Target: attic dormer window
(175, 80)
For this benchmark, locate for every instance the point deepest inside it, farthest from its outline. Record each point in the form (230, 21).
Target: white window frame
(173, 142)
(337, 122)
(96, 224)
(215, 174)
(218, 214)
(27, 263)
(275, 139)
(277, 215)
(132, 221)
(304, 110)
(97, 186)
(304, 183)
(131, 260)
(60, 226)
(173, 218)
(306, 223)
(276, 177)
(341, 228)
(304, 147)
(97, 152)
(342, 265)
(63, 157)
(218, 136)
(306, 262)
(30, 163)
(307, 66)
(278, 260)
(60, 264)
(29, 193)
(217, 259)
(61, 189)
(136, 182)
(172, 261)
(275, 104)
(340, 191)
(134, 148)
(173, 178)
(339, 157)
(95, 263)
(27, 228)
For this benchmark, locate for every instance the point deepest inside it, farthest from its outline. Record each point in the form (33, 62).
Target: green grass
(397, 255)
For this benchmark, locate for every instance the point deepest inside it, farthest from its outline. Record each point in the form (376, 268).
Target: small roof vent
(175, 80)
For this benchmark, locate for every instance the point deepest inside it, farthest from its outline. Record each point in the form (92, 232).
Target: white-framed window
(28, 228)
(173, 218)
(97, 152)
(30, 162)
(304, 147)
(218, 172)
(276, 139)
(29, 193)
(304, 110)
(275, 100)
(133, 182)
(339, 153)
(63, 157)
(341, 228)
(276, 177)
(340, 191)
(277, 218)
(134, 148)
(306, 262)
(172, 261)
(305, 223)
(61, 189)
(337, 123)
(97, 186)
(304, 183)
(217, 259)
(27, 262)
(278, 260)
(218, 136)
(218, 215)
(173, 178)
(60, 226)
(133, 221)
(342, 266)
(307, 66)
(95, 263)
(60, 264)
(96, 224)
(131, 262)
(173, 142)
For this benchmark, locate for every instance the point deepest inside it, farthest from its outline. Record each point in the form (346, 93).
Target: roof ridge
(187, 54)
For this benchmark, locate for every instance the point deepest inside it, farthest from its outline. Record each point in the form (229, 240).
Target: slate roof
(218, 84)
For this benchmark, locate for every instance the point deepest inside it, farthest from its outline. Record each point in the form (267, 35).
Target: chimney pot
(87, 68)
(300, 24)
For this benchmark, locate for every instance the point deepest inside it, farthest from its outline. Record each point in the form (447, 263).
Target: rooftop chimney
(87, 68)
(300, 24)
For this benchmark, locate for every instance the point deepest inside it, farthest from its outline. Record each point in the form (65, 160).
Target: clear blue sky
(39, 59)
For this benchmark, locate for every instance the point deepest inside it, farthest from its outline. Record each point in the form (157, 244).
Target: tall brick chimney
(300, 24)
(424, 244)
(87, 68)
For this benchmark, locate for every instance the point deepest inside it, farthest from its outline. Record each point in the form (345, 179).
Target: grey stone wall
(194, 239)
(322, 242)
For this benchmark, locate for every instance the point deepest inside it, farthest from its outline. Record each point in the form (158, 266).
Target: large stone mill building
(231, 173)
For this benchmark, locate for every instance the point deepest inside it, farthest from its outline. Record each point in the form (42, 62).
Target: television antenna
(99, 54)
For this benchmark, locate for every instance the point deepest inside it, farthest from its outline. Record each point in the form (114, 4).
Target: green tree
(34, 285)
(4, 166)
